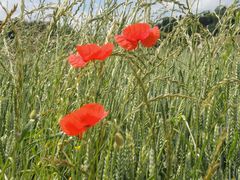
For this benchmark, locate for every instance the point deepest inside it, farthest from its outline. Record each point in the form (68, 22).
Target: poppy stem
(98, 80)
(146, 102)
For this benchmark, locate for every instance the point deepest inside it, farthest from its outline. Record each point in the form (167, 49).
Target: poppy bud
(59, 144)
(27, 128)
(77, 148)
(33, 114)
(119, 140)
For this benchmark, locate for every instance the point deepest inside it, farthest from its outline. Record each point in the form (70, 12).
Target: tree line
(208, 20)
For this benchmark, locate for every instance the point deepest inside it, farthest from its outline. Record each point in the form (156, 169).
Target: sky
(30, 4)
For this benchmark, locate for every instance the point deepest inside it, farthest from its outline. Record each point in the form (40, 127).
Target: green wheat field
(174, 109)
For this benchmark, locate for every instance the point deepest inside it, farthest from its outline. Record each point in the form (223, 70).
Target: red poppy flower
(90, 52)
(124, 43)
(104, 52)
(77, 122)
(138, 32)
(76, 61)
(151, 40)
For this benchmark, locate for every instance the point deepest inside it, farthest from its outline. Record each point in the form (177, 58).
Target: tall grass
(174, 109)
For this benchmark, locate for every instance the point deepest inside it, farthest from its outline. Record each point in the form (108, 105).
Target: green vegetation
(212, 21)
(174, 109)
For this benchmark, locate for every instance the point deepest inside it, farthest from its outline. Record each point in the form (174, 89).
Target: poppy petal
(151, 40)
(106, 51)
(87, 51)
(77, 122)
(126, 44)
(76, 61)
(90, 114)
(136, 32)
(71, 125)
